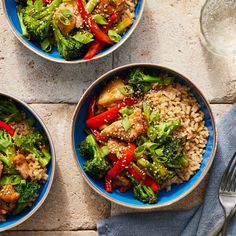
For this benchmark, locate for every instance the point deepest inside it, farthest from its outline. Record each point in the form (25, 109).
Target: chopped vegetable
(83, 37)
(28, 192)
(91, 4)
(67, 46)
(100, 19)
(114, 36)
(97, 165)
(91, 24)
(139, 80)
(97, 46)
(46, 45)
(108, 115)
(122, 163)
(8, 111)
(5, 140)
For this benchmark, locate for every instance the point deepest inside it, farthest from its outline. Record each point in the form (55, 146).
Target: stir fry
(133, 144)
(24, 156)
(77, 28)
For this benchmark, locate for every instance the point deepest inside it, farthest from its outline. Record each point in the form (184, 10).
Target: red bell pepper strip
(143, 179)
(87, 18)
(91, 111)
(108, 185)
(108, 115)
(122, 163)
(97, 46)
(7, 127)
(91, 108)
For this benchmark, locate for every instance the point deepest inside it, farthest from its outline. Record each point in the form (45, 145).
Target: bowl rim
(53, 162)
(80, 104)
(78, 61)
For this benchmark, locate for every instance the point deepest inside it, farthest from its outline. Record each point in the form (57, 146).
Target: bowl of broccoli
(143, 136)
(73, 31)
(27, 162)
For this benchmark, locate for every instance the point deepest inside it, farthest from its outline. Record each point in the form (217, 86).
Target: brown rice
(177, 102)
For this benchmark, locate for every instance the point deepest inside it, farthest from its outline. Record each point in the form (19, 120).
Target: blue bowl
(9, 8)
(13, 221)
(126, 199)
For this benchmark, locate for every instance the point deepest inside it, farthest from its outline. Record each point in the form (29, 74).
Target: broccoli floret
(28, 192)
(173, 152)
(67, 46)
(142, 192)
(7, 158)
(33, 143)
(97, 165)
(5, 141)
(139, 80)
(38, 23)
(20, 13)
(9, 112)
(156, 170)
(160, 133)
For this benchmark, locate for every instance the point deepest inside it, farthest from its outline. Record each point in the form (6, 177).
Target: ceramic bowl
(9, 7)
(177, 191)
(12, 221)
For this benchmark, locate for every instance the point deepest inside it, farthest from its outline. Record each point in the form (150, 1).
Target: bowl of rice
(27, 162)
(173, 99)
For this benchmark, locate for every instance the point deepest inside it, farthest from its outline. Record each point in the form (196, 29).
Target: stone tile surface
(169, 35)
(71, 203)
(196, 197)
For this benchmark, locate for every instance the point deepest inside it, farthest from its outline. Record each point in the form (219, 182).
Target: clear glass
(218, 26)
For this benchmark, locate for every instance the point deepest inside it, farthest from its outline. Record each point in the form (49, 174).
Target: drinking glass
(218, 26)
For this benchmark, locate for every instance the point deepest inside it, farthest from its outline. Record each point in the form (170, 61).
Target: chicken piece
(107, 7)
(122, 183)
(138, 128)
(116, 147)
(21, 164)
(8, 194)
(111, 93)
(1, 168)
(75, 20)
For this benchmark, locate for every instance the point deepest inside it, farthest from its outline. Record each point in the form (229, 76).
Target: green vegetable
(10, 170)
(154, 116)
(126, 123)
(10, 179)
(97, 165)
(67, 46)
(46, 45)
(9, 112)
(160, 133)
(20, 14)
(101, 20)
(147, 148)
(28, 192)
(38, 24)
(32, 143)
(156, 170)
(91, 5)
(126, 111)
(142, 192)
(114, 36)
(5, 141)
(141, 81)
(7, 158)
(64, 16)
(84, 37)
(174, 155)
(38, 5)
(126, 90)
